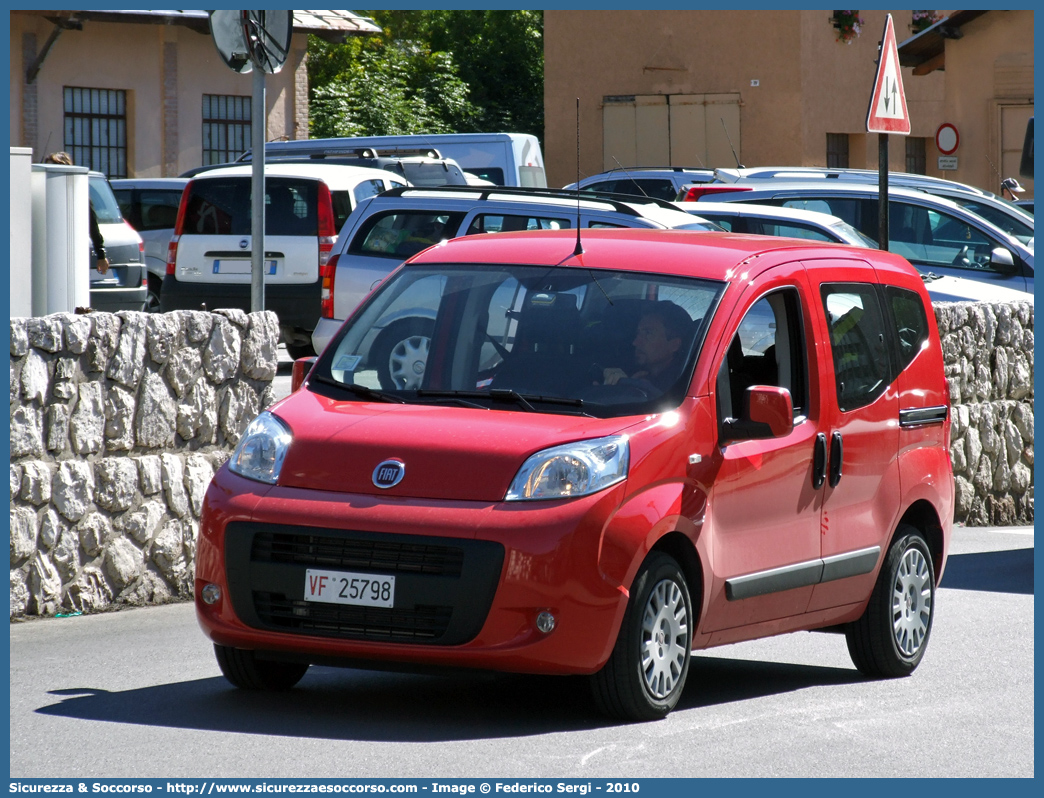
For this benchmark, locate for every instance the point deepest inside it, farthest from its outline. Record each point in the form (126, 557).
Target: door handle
(837, 453)
(819, 461)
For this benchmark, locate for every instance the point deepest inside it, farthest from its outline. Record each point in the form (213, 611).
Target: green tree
(432, 72)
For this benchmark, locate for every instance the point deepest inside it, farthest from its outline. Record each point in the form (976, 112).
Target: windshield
(1014, 223)
(853, 236)
(529, 338)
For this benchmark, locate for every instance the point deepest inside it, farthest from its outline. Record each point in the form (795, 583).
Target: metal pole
(882, 191)
(257, 193)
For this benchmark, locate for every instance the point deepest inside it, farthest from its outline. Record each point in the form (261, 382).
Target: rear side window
(158, 209)
(858, 343)
(222, 207)
(495, 223)
(911, 322)
(404, 233)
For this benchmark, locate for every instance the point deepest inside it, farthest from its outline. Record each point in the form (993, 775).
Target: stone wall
(118, 422)
(988, 356)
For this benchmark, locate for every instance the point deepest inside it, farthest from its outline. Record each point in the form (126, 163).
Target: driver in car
(658, 348)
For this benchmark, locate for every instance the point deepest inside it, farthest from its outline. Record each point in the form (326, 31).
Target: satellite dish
(247, 39)
(226, 28)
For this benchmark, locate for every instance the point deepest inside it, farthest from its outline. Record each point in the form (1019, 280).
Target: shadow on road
(995, 571)
(338, 704)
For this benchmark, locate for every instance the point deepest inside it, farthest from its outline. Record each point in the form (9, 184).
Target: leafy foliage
(431, 72)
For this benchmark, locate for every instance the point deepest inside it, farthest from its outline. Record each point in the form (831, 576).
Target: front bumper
(492, 569)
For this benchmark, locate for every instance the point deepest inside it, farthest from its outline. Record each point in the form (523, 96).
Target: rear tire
(645, 675)
(152, 299)
(245, 671)
(890, 638)
(298, 351)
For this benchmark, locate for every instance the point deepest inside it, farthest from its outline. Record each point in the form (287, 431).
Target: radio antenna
(734, 155)
(579, 247)
(628, 176)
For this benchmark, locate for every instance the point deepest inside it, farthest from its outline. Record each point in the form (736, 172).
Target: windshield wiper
(525, 401)
(361, 390)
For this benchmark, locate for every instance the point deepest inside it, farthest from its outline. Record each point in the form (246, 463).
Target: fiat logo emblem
(389, 474)
(244, 244)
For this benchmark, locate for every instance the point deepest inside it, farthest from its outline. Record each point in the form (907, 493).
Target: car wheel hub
(911, 602)
(664, 639)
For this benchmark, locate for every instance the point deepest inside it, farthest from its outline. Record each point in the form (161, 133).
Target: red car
(668, 441)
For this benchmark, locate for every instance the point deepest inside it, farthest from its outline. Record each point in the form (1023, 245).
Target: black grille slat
(371, 623)
(352, 553)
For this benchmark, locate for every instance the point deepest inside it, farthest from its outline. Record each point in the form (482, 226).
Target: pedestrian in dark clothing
(64, 159)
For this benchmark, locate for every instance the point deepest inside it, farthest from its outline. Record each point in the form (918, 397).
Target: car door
(861, 423)
(763, 507)
(940, 241)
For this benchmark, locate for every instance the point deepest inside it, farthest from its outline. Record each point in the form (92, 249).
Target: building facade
(145, 93)
(691, 88)
(986, 60)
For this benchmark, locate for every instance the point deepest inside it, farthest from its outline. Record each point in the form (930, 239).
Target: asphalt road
(137, 693)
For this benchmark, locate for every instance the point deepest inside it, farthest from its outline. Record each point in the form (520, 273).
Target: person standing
(97, 240)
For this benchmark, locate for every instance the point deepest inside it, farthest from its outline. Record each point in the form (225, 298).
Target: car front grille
(352, 554)
(444, 587)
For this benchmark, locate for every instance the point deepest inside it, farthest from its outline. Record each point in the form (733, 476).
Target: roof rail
(621, 203)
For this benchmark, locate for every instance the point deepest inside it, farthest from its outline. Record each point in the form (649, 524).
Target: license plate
(241, 267)
(342, 587)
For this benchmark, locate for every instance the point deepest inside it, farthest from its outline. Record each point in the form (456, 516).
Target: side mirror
(299, 371)
(1002, 261)
(769, 414)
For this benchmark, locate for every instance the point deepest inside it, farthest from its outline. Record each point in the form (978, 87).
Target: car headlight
(575, 469)
(262, 449)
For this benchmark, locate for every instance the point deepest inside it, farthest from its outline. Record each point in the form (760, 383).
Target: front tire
(890, 638)
(400, 354)
(645, 675)
(245, 671)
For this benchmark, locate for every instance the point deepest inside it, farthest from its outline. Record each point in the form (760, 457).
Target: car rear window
(221, 206)
(106, 209)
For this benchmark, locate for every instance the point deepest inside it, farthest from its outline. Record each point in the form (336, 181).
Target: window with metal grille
(915, 155)
(96, 129)
(837, 150)
(226, 127)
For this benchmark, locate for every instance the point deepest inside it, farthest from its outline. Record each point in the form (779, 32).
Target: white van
(505, 159)
(209, 256)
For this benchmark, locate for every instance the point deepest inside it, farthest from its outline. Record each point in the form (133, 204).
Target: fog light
(545, 622)
(211, 594)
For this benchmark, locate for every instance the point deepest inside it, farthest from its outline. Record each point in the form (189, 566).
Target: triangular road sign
(888, 112)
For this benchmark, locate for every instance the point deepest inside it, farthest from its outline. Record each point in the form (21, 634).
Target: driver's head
(663, 328)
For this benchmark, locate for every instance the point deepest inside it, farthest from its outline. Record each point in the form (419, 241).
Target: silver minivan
(386, 230)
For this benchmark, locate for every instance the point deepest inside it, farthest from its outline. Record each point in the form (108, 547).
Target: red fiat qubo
(617, 451)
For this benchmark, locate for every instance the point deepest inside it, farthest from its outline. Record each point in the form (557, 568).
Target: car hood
(946, 288)
(449, 453)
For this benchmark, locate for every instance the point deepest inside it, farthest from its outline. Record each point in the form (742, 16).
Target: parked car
(935, 234)
(526, 508)
(209, 258)
(772, 220)
(124, 286)
(418, 167)
(1026, 205)
(386, 230)
(1003, 213)
(150, 206)
(740, 217)
(644, 181)
(505, 159)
